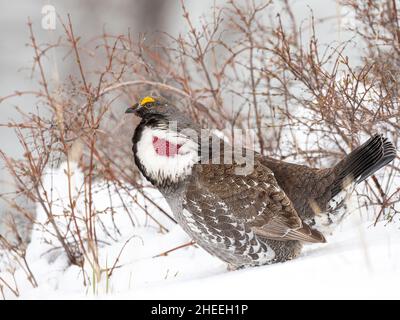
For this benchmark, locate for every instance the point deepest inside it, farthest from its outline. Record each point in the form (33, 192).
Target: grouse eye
(147, 102)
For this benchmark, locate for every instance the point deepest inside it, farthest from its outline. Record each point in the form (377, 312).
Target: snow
(359, 260)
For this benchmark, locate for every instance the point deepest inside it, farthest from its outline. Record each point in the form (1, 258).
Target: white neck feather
(159, 167)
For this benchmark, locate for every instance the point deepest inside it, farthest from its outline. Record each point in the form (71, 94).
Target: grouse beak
(132, 109)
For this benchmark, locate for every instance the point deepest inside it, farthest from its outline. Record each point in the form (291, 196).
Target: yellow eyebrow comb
(146, 100)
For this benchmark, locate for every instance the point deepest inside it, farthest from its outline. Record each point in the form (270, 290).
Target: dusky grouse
(251, 218)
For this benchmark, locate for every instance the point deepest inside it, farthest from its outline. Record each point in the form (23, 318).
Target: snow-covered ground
(359, 260)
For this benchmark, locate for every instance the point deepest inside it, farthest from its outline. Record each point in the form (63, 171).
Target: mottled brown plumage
(261, 217)
(308, 188)
(255, 199)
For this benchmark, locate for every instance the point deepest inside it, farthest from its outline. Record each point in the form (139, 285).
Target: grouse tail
(363, 162)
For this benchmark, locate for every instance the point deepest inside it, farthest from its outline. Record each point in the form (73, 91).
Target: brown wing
(254, 199)
(308, 188)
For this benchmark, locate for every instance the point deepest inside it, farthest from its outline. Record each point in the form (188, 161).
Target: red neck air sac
(165, 148)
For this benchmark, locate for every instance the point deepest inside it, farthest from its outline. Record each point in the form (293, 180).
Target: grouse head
(165, 143)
